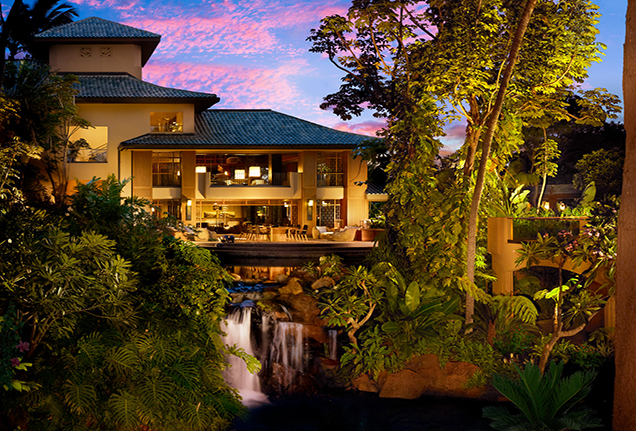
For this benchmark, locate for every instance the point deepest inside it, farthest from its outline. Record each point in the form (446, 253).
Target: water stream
(238, 328)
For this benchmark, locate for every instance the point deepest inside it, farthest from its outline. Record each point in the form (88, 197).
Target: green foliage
(544, 401)
(12, 349)
(505, 322)
(584, 356)
(604, 168)
(9, 174)
(421, 64)
(48, 117)
(112, 349)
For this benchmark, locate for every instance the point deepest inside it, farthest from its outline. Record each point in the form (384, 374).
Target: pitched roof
(95, 29)
(254, 129)
(126, 89)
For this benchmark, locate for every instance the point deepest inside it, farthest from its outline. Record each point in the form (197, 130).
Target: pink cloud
(364, 128)
(237, 86)
(112, 4)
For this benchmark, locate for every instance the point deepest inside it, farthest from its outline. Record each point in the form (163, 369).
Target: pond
(355, 411)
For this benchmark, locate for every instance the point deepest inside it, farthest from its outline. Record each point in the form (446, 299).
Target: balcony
(280, 186)
(88, 155)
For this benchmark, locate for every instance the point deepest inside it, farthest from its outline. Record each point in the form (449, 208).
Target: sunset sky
(253, 53)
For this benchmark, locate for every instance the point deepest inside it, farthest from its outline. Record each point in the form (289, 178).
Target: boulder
(317, 333)
(427, 367)
(423, 376)
(281, 278)
(455, 377)
(323, 282)
(405, 384)
(293, 287)
(303, 308)
(365, 383)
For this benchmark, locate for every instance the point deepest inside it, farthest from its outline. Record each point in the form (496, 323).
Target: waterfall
(287, 350)
(238, 330)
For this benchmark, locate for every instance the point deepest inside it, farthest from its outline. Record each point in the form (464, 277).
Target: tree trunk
(625, 336)
(493, 119)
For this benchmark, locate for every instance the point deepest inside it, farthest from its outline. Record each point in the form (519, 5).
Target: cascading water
(238, 330)
(287, 350)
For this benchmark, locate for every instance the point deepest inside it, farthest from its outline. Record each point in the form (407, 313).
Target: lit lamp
(255, 171)
(200, 169)
(239, 174)
(189, 210)
(310, 210)
(546, 205)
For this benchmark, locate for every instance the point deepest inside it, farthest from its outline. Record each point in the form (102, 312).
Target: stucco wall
(90, 58)
(124, 121)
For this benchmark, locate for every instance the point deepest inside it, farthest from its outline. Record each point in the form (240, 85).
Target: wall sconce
(239, 174)
(189, 210)
(200, 170)
(255, 171)
(310, 210)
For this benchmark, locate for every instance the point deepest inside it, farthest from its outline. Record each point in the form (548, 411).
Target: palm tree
(24, 22)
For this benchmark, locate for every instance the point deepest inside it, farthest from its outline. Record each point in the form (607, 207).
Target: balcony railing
(221, 187)
(88, 155)
(277, 179)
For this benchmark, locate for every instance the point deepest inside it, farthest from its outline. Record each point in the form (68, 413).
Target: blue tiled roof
(126, 88)
(95, 28)
(374, 189)
(258, 128)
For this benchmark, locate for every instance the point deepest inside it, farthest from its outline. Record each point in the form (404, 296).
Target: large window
(329, 169)
(166, 122)
(328, 213)
(166, 169)
(90, 145)
(249, 169)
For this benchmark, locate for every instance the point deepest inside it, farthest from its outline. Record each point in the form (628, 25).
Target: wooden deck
(286, 254)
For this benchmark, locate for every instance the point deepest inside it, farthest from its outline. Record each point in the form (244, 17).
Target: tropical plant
(503, 315)
(351, 303)
(411, 311)
(602, 167)
(22, 23)
(545, 402)
(395, 57)
(48, 118)
(574, 303)
(103, 357)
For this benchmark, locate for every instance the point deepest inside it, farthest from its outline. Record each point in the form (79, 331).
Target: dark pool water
(352, 411)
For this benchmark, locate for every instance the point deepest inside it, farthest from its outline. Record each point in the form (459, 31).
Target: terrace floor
(289, 253)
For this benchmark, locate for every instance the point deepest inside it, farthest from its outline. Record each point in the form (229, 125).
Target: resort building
(205, 166)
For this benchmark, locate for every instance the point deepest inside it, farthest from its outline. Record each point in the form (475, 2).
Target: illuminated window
(329, 169)
(166, 169)
(89, 145)
(166, 122)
